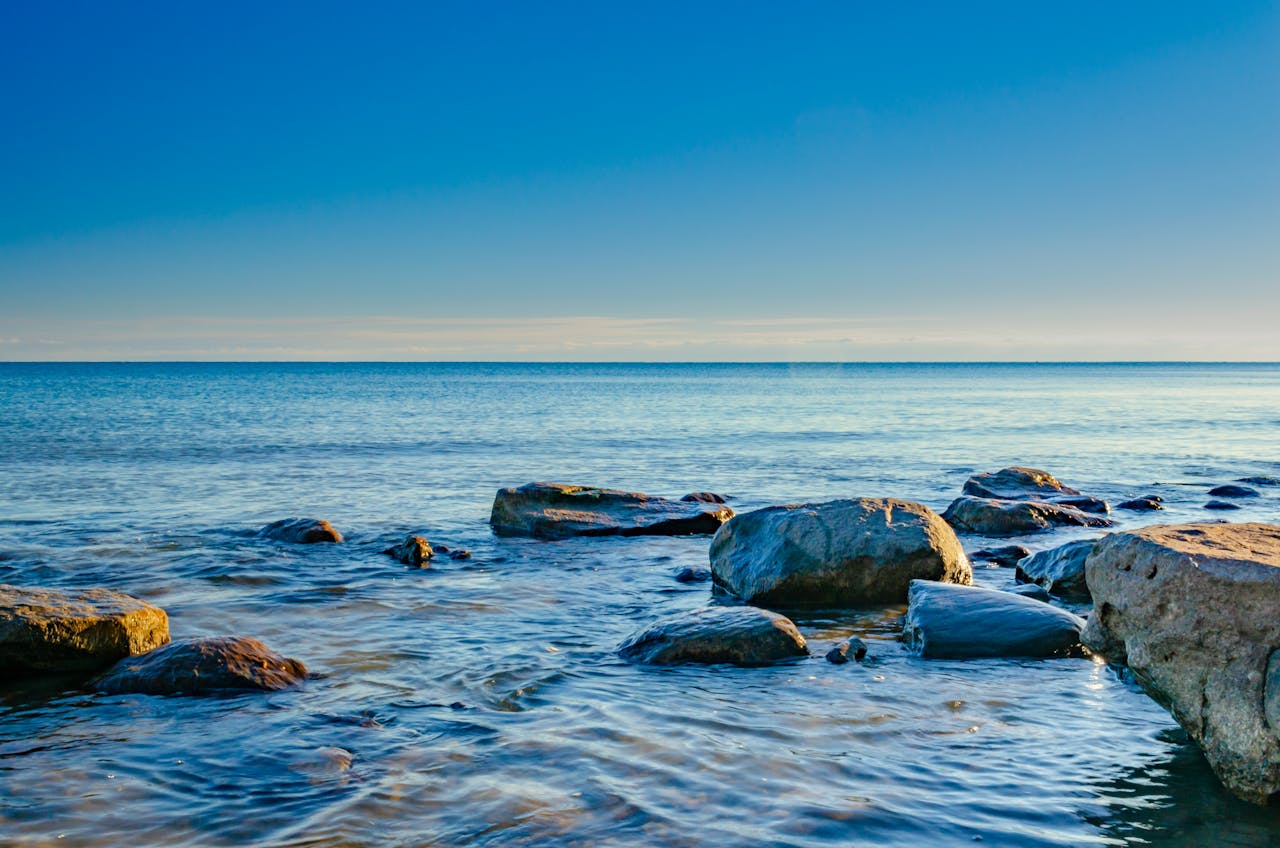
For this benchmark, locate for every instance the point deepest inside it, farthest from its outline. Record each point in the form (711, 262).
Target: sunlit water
(481, 703)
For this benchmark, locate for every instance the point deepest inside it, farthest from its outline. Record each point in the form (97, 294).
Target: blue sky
(685, 181)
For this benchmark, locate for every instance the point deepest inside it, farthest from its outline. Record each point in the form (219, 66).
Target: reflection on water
(480, 702)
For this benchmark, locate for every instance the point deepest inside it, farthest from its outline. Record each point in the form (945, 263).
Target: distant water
(149, 478)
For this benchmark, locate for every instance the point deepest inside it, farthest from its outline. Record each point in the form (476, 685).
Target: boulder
(557, 511)
(839, 654)
(1030, 590)
(1007, 556)
(1233, 491)
(302, 531)
(1261, 480)
(1221, 505)
(835, 554)
(197, 666)
(414, 550)
(1144, 504)
(46, 631)
(991, 517)
(1016, 483)
(735, 635)
(945, 621)
(1194, 610)
(703, 497)
(1059, 570)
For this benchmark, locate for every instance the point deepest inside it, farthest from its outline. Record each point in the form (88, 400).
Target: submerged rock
(945, 621)
(414, 550)
(839, 654)
(1030, 590)
(703, 497)
(1194, 610)
(1148, 503)
(1059, 570)
(737, 635)
(1221, 505)
(1016, 483)
(1262, 480)
(557, 511)
(1232, 491)
(1007, 556)
(302, 531)
(991, 517)
(692, 575)
(835, 554)
(196, 666)
(48, 631)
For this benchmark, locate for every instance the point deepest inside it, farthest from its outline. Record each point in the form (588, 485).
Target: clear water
(150, 478)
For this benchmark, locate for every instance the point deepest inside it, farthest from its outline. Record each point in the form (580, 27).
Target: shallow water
(480, 702)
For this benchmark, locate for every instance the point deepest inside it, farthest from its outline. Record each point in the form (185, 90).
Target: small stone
(692, 575)
(1221, 505)
(839, 654)
(1232, 491)
(703, 497)
(459, 553)
(302, 531)
(1147, 504)
(414, 550)
(1007, 556)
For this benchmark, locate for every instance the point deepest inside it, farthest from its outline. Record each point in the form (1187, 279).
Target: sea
(481, 701)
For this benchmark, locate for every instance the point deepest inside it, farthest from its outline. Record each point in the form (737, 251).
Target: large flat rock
(945, 621)
(1194, 610)
(557, 511)
(835, 554)
(47, 631)
(205, 665)
(735, 635)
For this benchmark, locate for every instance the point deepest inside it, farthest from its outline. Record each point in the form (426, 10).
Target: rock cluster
(1018, 500)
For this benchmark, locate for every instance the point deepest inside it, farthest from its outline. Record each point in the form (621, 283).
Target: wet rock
(1016, 483)
(945, 621)
(196, 666)
(302, 531)
(839, 654)
(414, 550)
(1059, 570)
(556, 511)
(704, 497)
(1007, 556)
(835, 554)
(1262, 480)
(47, 631)
(1030, 590)
(1084, 503)
(1232, 491)
(1144, 504)
(1194, 610)
(459, 554)
(736, 635)
(991, 517)
(1221, 505)
(693, 575)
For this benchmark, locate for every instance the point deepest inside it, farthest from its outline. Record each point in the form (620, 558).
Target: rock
(556, 511)
(1261, 480)
(1007, 556)
(459, 554)
(48, 631)
(1084, 503)
(1146, 504)
(196, 666)
(835, 554)
(839, 654)
(693, 575)
(303, 531)
(414, 550)
(1030, 590)
(703, 497)
(1059, 570)
(1194, 610)
(1221, 505)
(945, 621)
(991, 517)
(1016, 483)
(737, 635)
(1231, 491)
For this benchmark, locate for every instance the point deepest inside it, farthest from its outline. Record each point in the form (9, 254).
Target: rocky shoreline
(1189, 609)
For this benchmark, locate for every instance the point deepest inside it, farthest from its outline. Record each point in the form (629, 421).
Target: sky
(661, 181)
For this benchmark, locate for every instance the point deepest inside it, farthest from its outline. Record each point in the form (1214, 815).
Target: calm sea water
(480, 702)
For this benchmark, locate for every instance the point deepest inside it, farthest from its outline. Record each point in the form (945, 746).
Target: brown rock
(303, 531)
(195, 666)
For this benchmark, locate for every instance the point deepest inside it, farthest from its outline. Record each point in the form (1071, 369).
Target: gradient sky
(685, 181)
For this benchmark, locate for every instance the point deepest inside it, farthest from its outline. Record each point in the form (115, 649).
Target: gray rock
(945, 621)
(1232, 491)
(1262, 480)
(46, 631)
(1146, 504)
(302, 531)
(197, 666)
(1030, 590)
(991, 517)
(1220, 505)
(693, 575)
(736, 635)
(835, 554)
(1194, 610)
(1059, 570)
(839, 654)
(703, 497)
(1084, 503)
(414, 550)
(1007, 556)
(1016, 483)
(557, 511)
